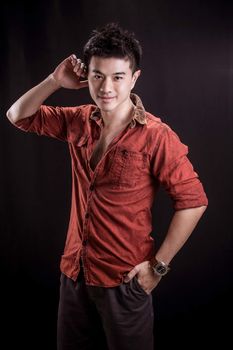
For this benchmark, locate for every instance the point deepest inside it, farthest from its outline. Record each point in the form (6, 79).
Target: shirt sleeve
(49, 121)
(174, 171)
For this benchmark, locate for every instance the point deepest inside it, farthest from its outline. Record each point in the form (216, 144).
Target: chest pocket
(127, 168)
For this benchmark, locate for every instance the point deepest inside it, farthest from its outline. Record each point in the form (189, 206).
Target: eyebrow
(97, 71)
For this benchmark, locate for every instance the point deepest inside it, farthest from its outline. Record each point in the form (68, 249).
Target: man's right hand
(69, 72)
(67, 75)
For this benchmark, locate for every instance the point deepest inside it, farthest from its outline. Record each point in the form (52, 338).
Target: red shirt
(110, 221)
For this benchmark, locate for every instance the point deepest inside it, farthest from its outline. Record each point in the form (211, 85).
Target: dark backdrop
(187, 81)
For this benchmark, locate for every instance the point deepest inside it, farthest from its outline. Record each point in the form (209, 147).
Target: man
(120, 155)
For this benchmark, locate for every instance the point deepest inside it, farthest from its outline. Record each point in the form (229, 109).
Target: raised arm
(67, 75)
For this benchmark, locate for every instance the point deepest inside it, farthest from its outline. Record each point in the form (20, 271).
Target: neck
(118, 117)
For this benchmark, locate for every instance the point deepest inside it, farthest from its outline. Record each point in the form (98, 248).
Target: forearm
(31, 101)
(181, 226)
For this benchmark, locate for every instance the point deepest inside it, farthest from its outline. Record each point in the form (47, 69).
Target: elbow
(200, 210)
(203, 208)
(12, 117)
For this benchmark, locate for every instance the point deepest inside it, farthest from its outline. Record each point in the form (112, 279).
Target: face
(110, 82)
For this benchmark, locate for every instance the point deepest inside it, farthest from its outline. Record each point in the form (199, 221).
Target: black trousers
(118, 318)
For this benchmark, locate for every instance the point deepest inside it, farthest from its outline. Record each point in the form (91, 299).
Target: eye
(118, 78)
(97, 76)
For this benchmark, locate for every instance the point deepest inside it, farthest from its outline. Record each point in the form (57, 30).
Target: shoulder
(162, 139)
(157, 129)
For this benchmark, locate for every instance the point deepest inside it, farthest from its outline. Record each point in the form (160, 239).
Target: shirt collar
(139, 114)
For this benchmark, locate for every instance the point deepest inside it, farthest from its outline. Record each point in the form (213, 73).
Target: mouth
(106, 99)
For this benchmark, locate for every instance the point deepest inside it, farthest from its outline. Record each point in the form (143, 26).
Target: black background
(187, 81)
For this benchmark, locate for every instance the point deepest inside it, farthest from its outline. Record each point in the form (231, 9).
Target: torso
(104, 141)
(101, 146)
(98, 152)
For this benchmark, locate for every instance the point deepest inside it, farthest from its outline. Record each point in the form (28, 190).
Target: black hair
(113, 41)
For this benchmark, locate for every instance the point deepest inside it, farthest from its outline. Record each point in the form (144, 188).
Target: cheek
(91, 87)
(124, 88)
(94, 86)
(92, 92)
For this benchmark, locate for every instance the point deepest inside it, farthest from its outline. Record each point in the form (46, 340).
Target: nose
(106, 86)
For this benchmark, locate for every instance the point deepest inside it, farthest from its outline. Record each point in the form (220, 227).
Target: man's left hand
(147, 279)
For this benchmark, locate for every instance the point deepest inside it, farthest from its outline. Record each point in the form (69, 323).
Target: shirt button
(92, 187)
(87, 215)
(85, 242)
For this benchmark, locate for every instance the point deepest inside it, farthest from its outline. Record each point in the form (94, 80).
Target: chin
(105, 109)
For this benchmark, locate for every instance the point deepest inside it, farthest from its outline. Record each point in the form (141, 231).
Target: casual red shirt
(110, 221)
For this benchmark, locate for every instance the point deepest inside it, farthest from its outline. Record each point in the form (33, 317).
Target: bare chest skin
(102, 144)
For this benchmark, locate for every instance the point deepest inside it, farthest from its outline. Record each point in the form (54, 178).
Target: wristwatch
(159, 267)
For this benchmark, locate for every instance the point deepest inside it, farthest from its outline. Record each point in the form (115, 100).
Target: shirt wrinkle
(110, 229)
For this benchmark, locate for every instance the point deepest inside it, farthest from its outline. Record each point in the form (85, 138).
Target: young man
(120, 155)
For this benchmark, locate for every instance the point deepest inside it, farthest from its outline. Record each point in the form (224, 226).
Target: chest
(100, 148)
(118, 160)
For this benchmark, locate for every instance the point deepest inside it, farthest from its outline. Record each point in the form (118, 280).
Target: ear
(135, 77)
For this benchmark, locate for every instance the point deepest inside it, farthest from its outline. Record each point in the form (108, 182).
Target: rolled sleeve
(176, 174)
(48, 121)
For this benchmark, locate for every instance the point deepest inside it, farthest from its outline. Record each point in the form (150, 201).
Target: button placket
(85, 240)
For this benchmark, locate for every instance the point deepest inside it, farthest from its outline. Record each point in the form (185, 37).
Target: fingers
(131, 274)
(79, 67)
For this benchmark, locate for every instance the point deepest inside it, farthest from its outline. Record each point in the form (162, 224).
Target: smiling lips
(105, 98)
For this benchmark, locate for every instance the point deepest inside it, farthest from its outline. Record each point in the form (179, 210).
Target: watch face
(161, 269)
